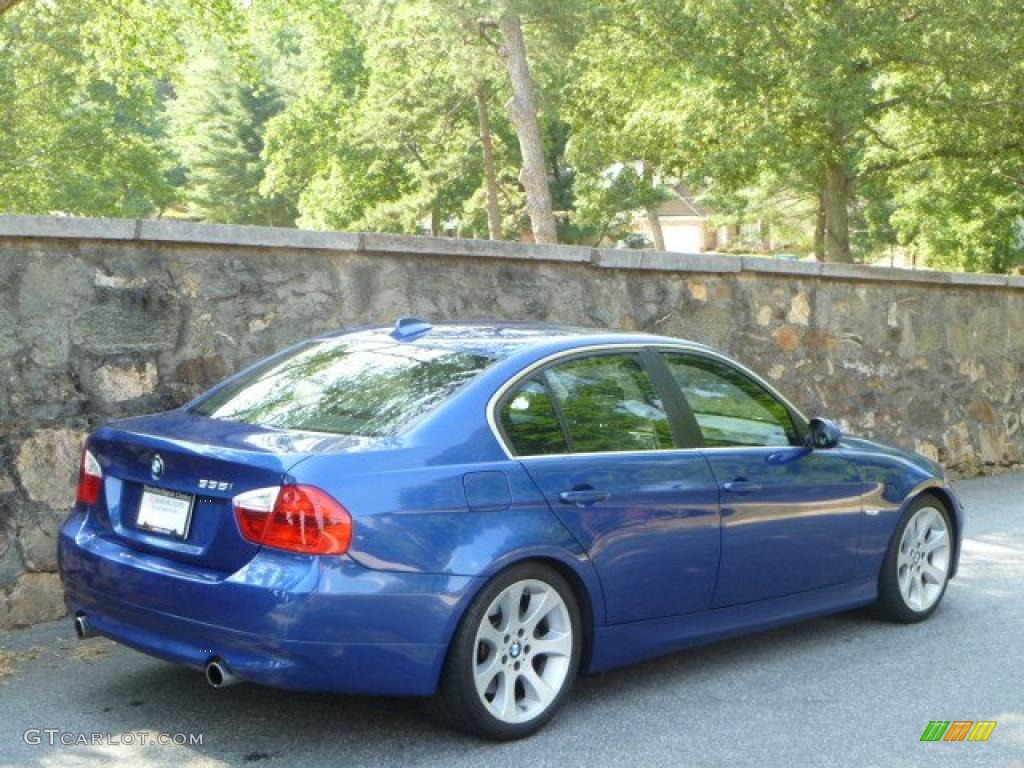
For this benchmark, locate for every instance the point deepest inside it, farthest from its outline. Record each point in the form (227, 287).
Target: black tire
(891, 605)
(457, 699)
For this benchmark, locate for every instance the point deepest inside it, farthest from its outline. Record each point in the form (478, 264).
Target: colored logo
(958, 730)
(156, 467)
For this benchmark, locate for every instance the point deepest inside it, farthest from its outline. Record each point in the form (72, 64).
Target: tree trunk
(6, 5)
(522, 109)
(654, 226)
(819, 228)
(837, 214)
(490, 173)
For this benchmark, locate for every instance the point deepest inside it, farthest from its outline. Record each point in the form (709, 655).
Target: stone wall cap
(1015, 281)
(67, 227)
(232, 235)
(781, 266)
(977, 278)
(617, 258)
(884, 274)
(168, 230)
(373, 242)
(671, 261)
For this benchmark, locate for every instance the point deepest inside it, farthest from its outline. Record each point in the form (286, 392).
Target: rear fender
(419, 519)
(576, 569)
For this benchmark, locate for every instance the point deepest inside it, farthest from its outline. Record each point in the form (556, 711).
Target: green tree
(420, 106)
(74, 141)
(824, 94)
(962, 215)
(846, 125)
(392, 125)
(312, 149)
(217, 121)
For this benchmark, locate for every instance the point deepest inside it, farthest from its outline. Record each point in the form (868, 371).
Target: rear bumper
(290, 621)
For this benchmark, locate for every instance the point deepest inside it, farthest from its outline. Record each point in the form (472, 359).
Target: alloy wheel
(523, 649)
(922, 566)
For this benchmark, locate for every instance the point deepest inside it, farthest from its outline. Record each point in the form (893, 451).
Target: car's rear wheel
(515, 655)
(916, 570)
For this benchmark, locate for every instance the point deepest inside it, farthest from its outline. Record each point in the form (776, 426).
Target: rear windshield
(348, 387)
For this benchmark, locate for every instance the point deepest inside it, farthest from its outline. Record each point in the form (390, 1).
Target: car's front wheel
(515, 655)
(916, 570)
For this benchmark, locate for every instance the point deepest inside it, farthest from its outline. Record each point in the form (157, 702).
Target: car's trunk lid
(206, 460)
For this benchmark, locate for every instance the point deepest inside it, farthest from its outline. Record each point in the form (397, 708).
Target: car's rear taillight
(90, 479)
(252, 509)
(298, 518)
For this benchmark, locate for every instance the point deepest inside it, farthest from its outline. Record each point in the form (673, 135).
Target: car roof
(502, 340)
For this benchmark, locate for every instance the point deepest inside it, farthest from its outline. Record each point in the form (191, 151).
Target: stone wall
(103, 319)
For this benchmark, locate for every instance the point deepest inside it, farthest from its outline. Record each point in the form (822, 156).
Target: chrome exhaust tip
(82, 628)
(219, 676)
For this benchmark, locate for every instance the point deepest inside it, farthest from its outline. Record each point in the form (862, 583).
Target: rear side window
(730, 408)
(530, 422)
(349, 387)
(609, 404)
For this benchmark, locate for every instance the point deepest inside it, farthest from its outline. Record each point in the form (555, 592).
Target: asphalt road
(843, 691)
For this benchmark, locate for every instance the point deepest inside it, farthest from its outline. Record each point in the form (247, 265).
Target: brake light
(252, 510)
(298, 518)
(90, 478)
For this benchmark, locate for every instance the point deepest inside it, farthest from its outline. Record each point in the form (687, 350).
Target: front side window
(730, 408)
(346, 386)
(609, 404)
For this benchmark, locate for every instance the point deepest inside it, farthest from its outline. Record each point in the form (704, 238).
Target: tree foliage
(849, 127)
(829, 96)
(74, 141)
(218, 118)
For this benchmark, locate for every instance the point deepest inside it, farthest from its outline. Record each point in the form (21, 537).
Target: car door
(790, 516)
(595, 433)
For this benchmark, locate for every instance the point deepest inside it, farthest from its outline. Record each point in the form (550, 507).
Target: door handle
(741, 486)
(583, 497)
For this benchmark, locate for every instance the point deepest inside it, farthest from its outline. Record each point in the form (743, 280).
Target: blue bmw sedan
(478, 513)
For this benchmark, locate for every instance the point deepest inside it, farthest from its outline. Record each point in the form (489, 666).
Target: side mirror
(822, 433)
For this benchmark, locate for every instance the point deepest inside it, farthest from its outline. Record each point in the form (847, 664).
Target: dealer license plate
(167, 512)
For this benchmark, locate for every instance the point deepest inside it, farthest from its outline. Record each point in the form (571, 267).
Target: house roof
(684, 203)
